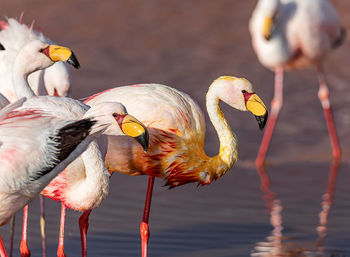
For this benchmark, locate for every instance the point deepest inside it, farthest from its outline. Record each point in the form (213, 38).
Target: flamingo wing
(66, 139)
(39, 140)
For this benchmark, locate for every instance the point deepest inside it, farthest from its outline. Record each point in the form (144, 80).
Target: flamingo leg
(144, 227)
(276, 106)
(60, 248)
(2, 248)
(83, 226)
(323, 95)
(42, 224)
(24, 246)
(12, 233)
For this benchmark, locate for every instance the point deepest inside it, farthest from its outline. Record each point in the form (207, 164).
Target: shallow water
(187, 44)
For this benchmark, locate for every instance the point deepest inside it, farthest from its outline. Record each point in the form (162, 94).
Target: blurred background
(186, 45)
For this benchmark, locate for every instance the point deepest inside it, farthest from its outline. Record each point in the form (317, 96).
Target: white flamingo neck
(91, 186)
(94, 163)
(228, 153)
(20, 81)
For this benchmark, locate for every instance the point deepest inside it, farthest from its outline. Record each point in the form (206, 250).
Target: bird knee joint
(144, 229)
(276, 104)
(323, 94)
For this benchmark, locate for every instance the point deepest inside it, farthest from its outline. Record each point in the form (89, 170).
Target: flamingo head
(269, 10)
(39, 55)
(57, 79)
(14, 35)
(113, 118)
(239, 94)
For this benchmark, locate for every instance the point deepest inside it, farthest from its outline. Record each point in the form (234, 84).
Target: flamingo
(34, 56)
(36, 144)
(54, 80)
(177, 129)
(292, 34)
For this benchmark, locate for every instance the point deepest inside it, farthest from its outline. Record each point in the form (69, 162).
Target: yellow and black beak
(60, 53)
(268, 24)
(256, 106)
(130, 126)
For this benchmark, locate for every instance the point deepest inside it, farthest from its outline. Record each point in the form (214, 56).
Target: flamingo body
(36, 148)
(176, 126)
(36, 145)
(177, 129)
(303, 33)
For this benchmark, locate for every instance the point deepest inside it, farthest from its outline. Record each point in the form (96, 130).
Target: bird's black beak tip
(143, 140)
(262, 120)
(72, 60)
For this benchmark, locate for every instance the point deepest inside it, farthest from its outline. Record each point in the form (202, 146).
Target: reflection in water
(327, 200)
(278, 246)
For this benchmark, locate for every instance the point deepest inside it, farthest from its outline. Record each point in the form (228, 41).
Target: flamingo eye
(115, 115)
(243, 91)
(2, 47)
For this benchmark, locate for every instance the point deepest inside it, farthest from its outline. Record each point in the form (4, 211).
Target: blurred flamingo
(177, 129)
(289, 34)
(40, 136)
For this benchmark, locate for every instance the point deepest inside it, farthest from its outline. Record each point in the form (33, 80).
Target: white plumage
(30, 142)
(55, 80)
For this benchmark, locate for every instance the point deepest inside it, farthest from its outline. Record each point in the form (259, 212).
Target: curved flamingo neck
(20, 79)
(91, 186)
(95, 169)
(228, 153)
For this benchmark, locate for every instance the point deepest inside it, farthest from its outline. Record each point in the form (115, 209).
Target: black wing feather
(67, 139)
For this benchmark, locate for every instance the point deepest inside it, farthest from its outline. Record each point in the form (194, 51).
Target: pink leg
(144, 227)
(276, 105)
(12, 233)
(323, 94)
(24, 246)
(84, 225)
(60, 248)
(2, 248)
(42, 224)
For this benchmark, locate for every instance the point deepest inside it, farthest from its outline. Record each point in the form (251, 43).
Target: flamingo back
(176, 127)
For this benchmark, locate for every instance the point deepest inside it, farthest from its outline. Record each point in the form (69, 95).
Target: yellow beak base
(256, 106)
(134, 128)
(61, 53)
